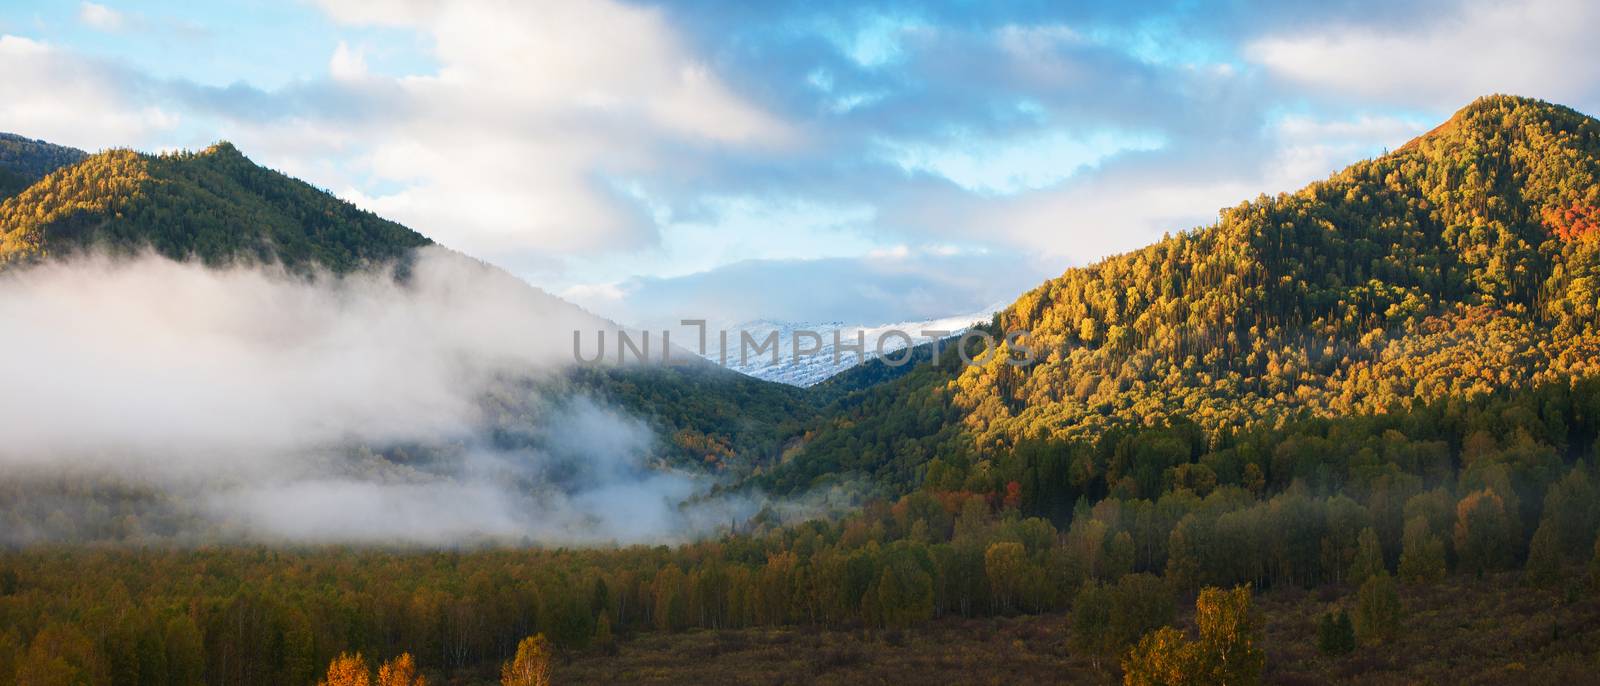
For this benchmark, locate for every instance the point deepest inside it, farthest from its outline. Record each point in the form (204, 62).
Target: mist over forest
(1273, 351)
(424, 405)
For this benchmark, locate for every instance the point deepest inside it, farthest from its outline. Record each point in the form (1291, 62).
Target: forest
(1372, 392)
(1371, 504)
(1461, 263)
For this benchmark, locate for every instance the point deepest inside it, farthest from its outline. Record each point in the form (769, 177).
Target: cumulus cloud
(1445, 59)
(347, 64)
(1136, 198)
(65, 98)
(367, 407)
(524, 138)
(101, 17)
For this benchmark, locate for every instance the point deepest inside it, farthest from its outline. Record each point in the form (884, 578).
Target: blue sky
(868, 162)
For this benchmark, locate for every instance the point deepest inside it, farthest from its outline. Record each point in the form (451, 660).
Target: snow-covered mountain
(809, 368)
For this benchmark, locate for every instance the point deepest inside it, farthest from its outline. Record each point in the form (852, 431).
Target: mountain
(816, 367)
(214, 205)
(1465, 262)
(24, 161)
(218, 207)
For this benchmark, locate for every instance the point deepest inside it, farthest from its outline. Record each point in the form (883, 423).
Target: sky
(864, 162)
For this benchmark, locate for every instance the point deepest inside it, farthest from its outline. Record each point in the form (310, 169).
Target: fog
(368, 408)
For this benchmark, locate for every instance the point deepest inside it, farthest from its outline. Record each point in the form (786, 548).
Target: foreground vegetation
(1463, 630)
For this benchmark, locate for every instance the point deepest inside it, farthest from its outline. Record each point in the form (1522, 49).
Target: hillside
(219, 207)
(24, 161)
(1343, 425)
(213, 205)
(1464, 262)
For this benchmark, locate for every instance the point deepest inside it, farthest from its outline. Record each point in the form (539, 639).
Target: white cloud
(101, 17)
(1537, 48)
(1004, 166)
(215, 360)
(347, 64)
(515, 147)
(66, 99)
(267, 399)
(1133, 202)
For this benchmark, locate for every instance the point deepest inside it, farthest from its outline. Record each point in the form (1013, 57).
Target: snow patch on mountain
(836, 352)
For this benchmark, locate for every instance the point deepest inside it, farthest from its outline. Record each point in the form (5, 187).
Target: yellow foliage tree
(347, 670)
(1162, 658)
(1227, 654)
(531, 666)
(401, 671)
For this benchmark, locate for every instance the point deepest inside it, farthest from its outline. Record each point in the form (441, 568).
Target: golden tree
(1162, 658)
(1228, 653)
(401, 671)
(531, 666)
(347, 670)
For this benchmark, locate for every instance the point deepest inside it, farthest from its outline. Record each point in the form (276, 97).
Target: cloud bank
(367, 408)
(596, 144)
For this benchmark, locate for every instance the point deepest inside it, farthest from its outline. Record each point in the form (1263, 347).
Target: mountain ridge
(1441, 269)
(1433, 271)
(24, 161)
(218, 207)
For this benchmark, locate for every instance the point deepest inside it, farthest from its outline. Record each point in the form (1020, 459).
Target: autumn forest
(1292, 446)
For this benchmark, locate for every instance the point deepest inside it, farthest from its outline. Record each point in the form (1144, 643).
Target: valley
(1377, 393)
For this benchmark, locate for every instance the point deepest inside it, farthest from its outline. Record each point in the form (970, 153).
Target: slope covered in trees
(24, 161)
(1464, 262)
(1351, 506)
(219, 207)
(1365, 388)
(214, 205)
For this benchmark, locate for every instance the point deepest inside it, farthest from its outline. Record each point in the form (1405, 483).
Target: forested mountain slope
(219, 207)
(214, 205)
(24, 161)
(1466, 261)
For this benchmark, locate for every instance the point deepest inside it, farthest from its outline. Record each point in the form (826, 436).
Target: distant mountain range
(816, 362)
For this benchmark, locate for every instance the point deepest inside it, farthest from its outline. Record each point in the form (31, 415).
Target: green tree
(603, 638)
(1090, 623)
(185, 652)
(1119, 556)
(905, 595)
(299, 649)
(1483, 532)
(1378, 609)
(1369, 558)
(1543, 567)
(1006, 565)
(1139, 603)
(1422, 557)
(1335, 634)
